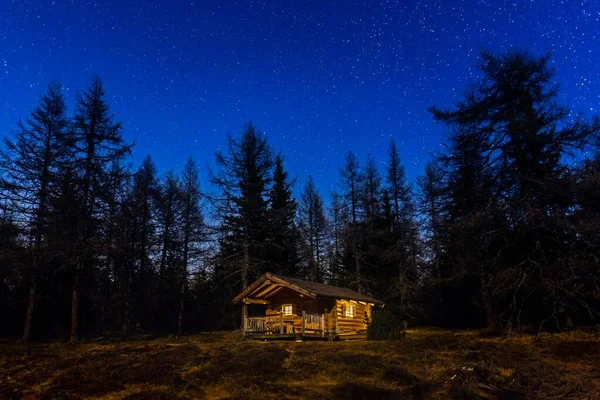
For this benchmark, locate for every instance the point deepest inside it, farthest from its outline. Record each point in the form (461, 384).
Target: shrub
(384, 325)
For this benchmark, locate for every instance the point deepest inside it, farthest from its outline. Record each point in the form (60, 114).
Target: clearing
(427, 363)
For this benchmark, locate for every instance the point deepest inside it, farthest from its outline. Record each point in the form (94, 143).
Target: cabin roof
(269, 284)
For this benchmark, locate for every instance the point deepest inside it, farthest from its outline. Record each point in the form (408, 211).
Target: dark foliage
(509, 244)
(501, 232)
(385, 325)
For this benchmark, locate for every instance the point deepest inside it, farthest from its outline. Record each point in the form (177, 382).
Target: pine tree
(194, 232)
(144, 194)
(585, 221)
(244, 184)
(508, 187)
(169, 209)
(351, 184)
(115, 271)
(370, 190)
(369, 242)
(399, 252)
(431, 202)
(12, 257)
(397, 187)
(127, 229)
(98, 142)
(338, 219)
(31, 164)
(313, 225)
(282, 214)
(431, 189)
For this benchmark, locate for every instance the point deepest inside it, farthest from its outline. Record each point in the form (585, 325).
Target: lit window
(287, 310)
(349, 311)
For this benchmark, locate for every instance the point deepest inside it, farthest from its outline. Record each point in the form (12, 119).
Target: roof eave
(341, 297)
(276, 279)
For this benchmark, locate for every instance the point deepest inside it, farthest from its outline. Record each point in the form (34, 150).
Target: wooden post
(303, 321)
(335, 320)
(281, 322)
(244, 312)
(245, 325)
(326, 321)
(322, 325)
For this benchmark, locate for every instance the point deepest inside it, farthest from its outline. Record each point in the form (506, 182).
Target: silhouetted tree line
(501, 231)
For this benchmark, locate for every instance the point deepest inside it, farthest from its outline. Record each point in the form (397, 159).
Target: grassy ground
(427, 363)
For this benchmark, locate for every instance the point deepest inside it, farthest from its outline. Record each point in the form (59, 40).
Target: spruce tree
(282, 214)
(244, 182)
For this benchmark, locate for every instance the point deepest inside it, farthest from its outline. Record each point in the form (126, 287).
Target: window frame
(284, 309)
(349, 311)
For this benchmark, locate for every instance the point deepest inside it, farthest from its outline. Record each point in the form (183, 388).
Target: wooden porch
(279, 326)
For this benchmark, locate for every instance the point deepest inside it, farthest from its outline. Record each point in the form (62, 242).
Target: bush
(384, 325)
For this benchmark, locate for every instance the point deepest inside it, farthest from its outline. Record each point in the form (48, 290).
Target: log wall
(336, 323)
(355, 324)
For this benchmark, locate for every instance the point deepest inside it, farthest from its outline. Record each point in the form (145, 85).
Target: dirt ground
(426, 364)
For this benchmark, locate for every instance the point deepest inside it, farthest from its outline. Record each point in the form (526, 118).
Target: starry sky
(318, 77)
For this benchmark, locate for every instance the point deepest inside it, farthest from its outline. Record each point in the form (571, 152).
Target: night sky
(318, 77)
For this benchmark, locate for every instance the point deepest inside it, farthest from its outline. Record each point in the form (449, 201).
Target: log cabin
(280, 307)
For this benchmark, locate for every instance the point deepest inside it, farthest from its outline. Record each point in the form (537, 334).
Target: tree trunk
(30, 308)
(39, 224)
(186, 254)
(141, 301)
(127, 305)
(318, 258)
(161, 274)
(357, 261)
(181, 304)
(75, 308)
(245, 270)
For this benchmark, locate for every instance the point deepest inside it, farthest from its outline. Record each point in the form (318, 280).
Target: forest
(500, 231)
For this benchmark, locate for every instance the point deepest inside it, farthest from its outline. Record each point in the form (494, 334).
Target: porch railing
(313, 322)
(278, 324)
(268, 324)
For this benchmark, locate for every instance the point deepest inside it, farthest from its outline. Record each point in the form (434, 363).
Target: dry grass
(427, 363)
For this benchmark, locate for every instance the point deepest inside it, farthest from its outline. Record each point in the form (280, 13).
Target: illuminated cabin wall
(334, 308)
(356, 323)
